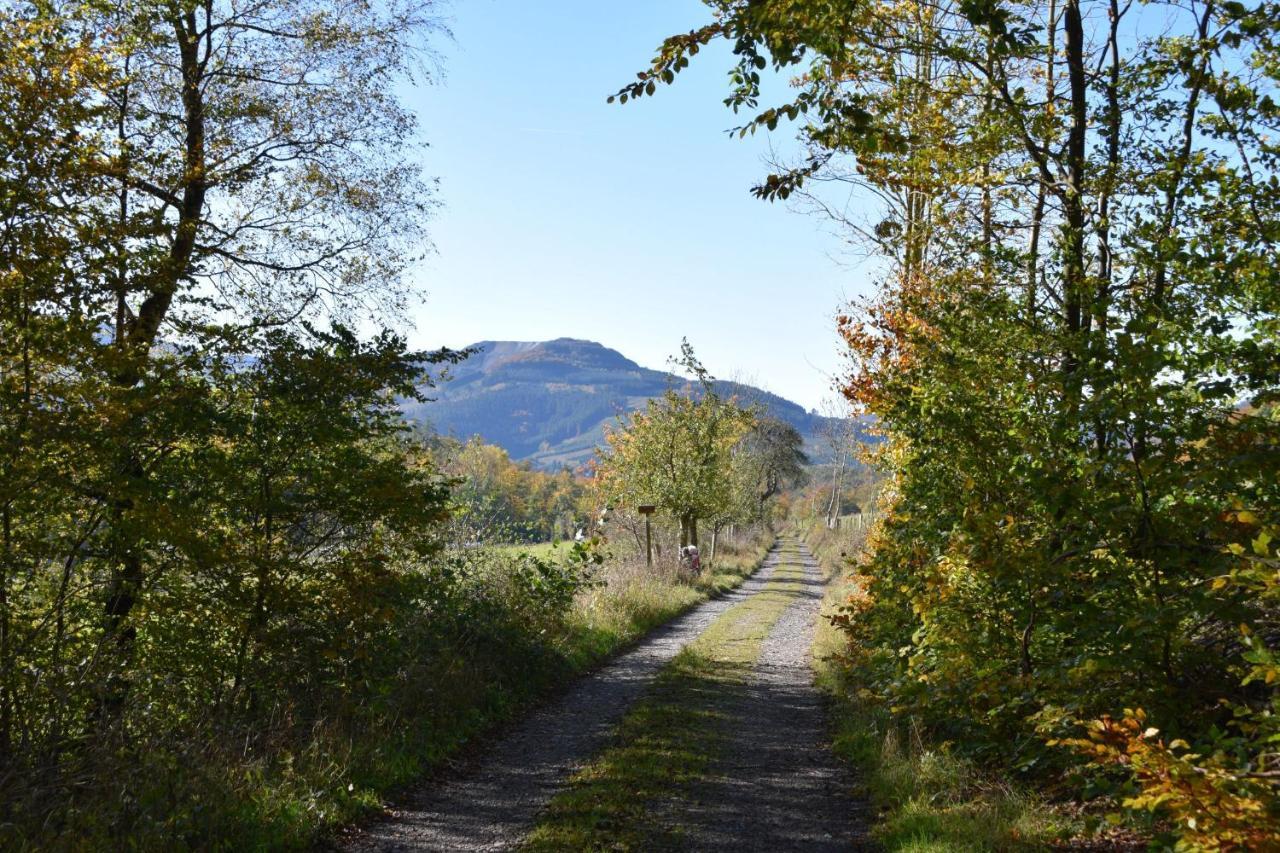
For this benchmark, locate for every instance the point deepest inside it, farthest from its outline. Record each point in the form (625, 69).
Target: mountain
(549, 402)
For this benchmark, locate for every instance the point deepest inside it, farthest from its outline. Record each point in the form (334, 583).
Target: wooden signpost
(647, 511)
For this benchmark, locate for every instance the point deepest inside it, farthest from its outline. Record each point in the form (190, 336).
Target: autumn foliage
(1073, 352)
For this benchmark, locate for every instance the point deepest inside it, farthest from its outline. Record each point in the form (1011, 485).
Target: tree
(772, 457)
(47, 79)
(314, 506)
(678, 453)
(840, 434)
(205, 482)
(1078, 320)
(498, 501)
(247, 194)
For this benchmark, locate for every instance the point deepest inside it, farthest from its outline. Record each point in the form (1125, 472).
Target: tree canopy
(677, 454)
(1074, 351)
(210, 509)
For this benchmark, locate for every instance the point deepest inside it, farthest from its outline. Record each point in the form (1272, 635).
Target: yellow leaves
(1221, 805)
(1262, 544)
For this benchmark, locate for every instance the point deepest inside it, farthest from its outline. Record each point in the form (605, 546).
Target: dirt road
(779, 788)
(777, 785)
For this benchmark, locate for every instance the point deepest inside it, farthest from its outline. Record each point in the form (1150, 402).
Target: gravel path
(778, 785)
(493, 804)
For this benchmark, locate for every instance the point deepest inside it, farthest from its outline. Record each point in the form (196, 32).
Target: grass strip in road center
(669, 741)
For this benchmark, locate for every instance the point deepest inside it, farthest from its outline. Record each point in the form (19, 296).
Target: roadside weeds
(602, 623)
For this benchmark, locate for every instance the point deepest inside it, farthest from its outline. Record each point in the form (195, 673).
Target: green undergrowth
(927, 799)
(668, 742)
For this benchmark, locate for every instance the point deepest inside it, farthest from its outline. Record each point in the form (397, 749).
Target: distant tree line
(496, 501)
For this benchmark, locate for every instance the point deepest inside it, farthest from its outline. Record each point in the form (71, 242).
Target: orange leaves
(1218, 802)
(891, 336)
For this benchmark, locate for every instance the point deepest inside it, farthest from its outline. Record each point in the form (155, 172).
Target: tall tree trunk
(688, 530)
(119, 633)
(918, 199)
(1174, 190)
(1042, 186)
(6, 667)
(142, 330)
(988, 230)
(1025, 664)
(1102, 293)
(1073, 205)
(833, 506)
(1159, 292)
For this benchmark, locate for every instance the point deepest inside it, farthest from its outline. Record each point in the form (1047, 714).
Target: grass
(636, 599)
(927, 799)
(538, 549)
(669, 740)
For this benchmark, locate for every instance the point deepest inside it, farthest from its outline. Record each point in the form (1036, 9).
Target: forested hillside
(551, 402)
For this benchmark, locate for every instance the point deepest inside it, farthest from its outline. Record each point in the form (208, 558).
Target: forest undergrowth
(927, 796)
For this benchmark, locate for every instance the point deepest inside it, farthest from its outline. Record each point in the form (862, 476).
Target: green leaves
(672, 58)
(679, 452)
(1073, 352)
(209, 509)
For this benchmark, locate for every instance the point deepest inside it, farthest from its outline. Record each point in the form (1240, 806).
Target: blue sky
(632, 225)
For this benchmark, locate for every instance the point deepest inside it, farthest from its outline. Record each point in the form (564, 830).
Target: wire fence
(856, 521)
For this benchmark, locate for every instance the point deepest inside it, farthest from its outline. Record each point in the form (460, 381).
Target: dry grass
(633, 598)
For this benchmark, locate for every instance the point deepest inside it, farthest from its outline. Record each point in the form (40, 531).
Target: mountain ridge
(549, 402)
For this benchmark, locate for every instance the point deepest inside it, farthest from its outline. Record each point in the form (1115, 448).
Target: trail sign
(647, 510)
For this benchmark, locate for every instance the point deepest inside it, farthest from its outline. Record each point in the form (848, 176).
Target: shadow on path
(777, 785)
